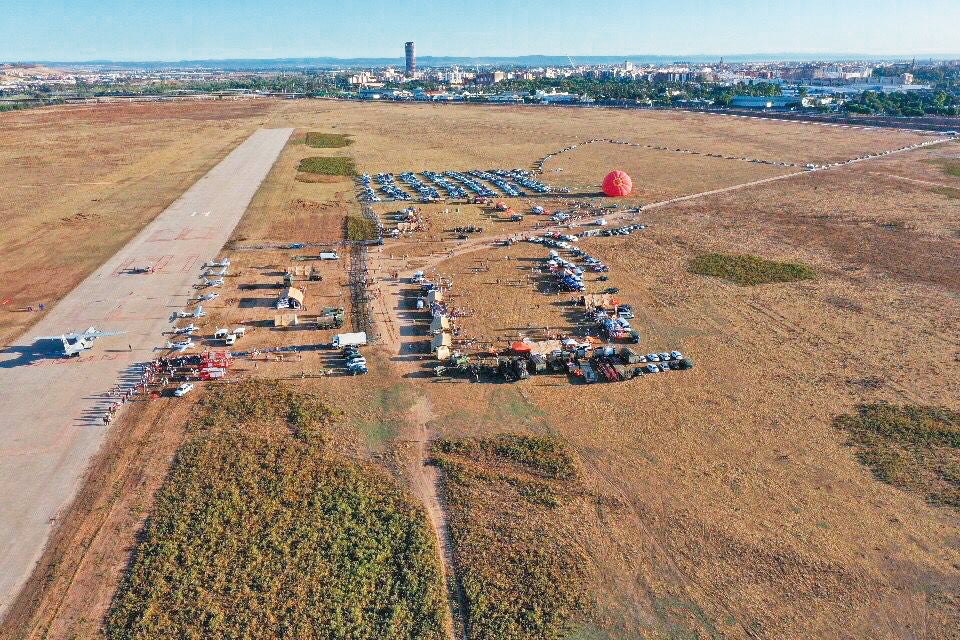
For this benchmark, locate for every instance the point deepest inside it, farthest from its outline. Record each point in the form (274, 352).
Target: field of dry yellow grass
(719, 502)
(76, 183)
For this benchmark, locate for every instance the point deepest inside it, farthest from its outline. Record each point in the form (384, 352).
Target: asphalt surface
(51, 408)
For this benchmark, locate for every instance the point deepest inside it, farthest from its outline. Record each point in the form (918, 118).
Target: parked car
(183, 389)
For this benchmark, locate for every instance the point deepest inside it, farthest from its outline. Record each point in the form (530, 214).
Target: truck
(330, 318)
(357, 339)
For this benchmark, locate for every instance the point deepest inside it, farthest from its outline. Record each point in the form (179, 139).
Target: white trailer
(357, 339)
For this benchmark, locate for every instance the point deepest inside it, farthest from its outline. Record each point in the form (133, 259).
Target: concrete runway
(51, 408)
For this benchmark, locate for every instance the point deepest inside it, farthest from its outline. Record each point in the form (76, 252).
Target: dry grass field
(720, 502)
(77, 182)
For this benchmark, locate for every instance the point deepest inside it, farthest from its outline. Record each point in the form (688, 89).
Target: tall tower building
(411, 59)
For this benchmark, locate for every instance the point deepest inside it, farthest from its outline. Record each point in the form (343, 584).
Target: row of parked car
(497, 180)
(355, 362)
(426, 192)
(619, 231)
(523, 178)
(454, 191)
(476, 186)
(510, 182)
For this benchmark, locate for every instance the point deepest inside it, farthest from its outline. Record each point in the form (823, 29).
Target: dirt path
(424, 481)
(913, 180)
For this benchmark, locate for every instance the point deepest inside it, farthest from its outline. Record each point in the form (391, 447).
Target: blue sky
(73, 30)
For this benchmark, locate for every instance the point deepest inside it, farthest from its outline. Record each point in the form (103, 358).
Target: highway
(51, 408)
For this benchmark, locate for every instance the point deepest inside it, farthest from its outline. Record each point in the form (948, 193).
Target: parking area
(431, 186)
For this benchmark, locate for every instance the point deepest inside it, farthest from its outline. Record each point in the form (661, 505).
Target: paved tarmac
(51, 408)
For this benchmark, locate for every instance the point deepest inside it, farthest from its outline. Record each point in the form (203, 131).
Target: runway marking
(191, 233)
(189, 263)
(162, 262)
(47, 362)
(126, 264)
(161, 235)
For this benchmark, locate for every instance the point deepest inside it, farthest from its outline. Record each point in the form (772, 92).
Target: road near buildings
(50, 407)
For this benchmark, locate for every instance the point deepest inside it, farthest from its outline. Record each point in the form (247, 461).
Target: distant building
(765, 102)
(411, 58)
(491, 77)
(902, 79)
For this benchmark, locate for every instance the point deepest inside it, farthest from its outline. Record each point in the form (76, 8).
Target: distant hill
(443, 61)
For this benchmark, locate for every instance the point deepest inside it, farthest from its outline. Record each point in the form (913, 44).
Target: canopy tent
(440, 323)
(441, 340)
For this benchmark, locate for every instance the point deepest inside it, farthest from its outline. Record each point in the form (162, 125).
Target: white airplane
(208, 296)
(75, 343)
(217, 272)
(189, 329)
(213, 263)
(180, 347)
(196, 313)
(216, 282)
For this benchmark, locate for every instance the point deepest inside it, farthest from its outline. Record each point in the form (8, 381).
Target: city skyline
(177, 30)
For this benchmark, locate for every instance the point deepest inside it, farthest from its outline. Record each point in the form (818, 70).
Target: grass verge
(914, 448)
(747, 270)
(949, 167)
(948, 192)
(359, 228)
(522, 575)
(336, 166)
(262, 530)
(327, 140)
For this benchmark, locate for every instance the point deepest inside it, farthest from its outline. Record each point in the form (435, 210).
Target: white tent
(440, 323)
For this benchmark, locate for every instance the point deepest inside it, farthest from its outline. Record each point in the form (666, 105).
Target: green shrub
(950, 167)
(336, 166)
(521, 574)
(359, 228)
(327, 140)
(747, 270)
(912, 447)
(949, 192)
(539, 455)
(258, 533)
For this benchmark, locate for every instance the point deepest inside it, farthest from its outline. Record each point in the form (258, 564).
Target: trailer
(357, 339)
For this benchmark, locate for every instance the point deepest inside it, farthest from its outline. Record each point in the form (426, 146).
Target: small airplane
(216, 282)
(75, 343)
(196, 313)
(213, 263)
(180, 347)
(189, 329)
(217, 272)
(138, 270)
(208, 296)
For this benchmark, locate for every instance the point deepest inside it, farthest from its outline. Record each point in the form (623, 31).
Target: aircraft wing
(100, 334)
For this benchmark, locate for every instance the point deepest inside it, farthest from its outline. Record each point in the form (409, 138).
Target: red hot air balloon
(617, 184)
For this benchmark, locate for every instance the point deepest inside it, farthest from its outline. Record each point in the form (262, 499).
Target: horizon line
(779, 56)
